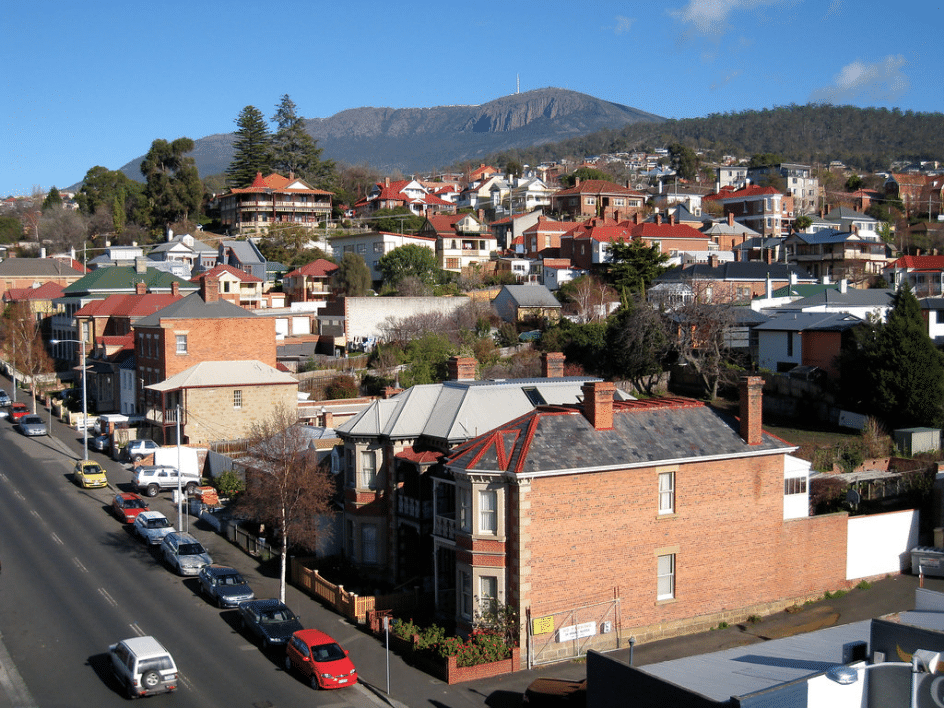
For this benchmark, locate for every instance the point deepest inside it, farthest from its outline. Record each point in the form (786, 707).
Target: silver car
(224, 586)
(152, 526)
(184, 554)
(32, 425)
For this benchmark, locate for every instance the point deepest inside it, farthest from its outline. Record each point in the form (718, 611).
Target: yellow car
(89, 474)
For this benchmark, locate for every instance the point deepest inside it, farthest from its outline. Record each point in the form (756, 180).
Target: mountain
(413, 140)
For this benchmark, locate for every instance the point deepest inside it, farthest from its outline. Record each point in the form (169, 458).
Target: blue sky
(94, 83)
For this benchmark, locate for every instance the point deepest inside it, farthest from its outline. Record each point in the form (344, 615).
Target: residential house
(670, 237)
(788, 340)
(908, 189)
(527, 303)
(200, 327)
(186, 251)
(729, 235)
(236, 286)
(486, 195)
(932, 197)
(408, 193)
(117, 256)
(597, 198)
(799, 182)
(864, 303)
(244, 256)
(394, 449)
(517, 267)
(845, 219)
(615, 508)
(673, 195)
(543, 238)
(40, 300)
(273, 202)
(587, 245)
(552, 273)
(462, 241)
(763, 209)
(932, 310)
(310, 282)
(372, 246)
(529, 194)
(222, 400)
(728, 282)
(481, 173)
(509, 230)
(730, 176)
(837, 254)
(17, 273)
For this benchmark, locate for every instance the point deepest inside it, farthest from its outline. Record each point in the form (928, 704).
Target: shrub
(229, 484)
(343, 386)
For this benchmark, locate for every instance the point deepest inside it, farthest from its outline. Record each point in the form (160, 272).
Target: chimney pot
(552, 365)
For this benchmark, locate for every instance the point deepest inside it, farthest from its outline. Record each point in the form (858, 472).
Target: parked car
(152, 526)
(137, 450)
(126, 506)
(224, 586)
(31, 425)
(17, 410)
(271, 621)
(89, 474)
(150, 479)
(101, 443)
(5, 399)
(555, 693)
(319, 658)
(184, 553)
(143, 666)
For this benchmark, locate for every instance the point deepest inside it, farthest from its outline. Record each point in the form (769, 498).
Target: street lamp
(922, 661)
(84, 393)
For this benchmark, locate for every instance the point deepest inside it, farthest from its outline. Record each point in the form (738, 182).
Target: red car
(318, 656)
(126, 506)
(18, 410)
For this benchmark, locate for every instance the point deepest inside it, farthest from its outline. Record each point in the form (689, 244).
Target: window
(181, 343)
(369, 544)
(488, 592)
(237, 399)
(465, 509)
(369, 469)
(590, 201)
(794, 485)
(362, 248)
(666, 577)
(378, 247)
(465, 593)
(488, 511)
(667, 492)
(349, 468)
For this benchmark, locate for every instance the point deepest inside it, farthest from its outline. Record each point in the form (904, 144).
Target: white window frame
(665, 577)
(667, 492)
(464, 505)
(237, 398)
(488, 512)
(367, 478)
(181, 340)
(488, 596)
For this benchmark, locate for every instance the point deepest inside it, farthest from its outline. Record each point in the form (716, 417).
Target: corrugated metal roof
(224, 373)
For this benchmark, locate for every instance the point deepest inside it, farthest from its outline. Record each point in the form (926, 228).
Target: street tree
(634, 265)
(411, 260)
(584, 174)
(172, 182)
(23, 345)
(62, 229)
(352, 278)
(638, 343)
(286, 489)
(295, 151)
(252, 148)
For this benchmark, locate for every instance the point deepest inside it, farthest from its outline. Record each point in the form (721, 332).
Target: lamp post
(84, 392)
(922, 661)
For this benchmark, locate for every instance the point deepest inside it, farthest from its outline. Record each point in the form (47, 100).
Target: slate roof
(532, 296)
(193, 307)
(124, 278)
(243, 251)
(555, 440)
(735, 271)
(36, 267)
(458, 410)
(209, 374)
(853, 297)
(808, 321)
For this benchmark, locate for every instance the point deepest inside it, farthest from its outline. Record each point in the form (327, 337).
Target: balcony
(167, 416)
(414, 508)
(444, 527)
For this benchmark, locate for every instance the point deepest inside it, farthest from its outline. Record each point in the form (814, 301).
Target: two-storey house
(462, 241)
(763, 209)
(272, 202)
(597, 198)
(837, 255)
(310, 282)
(236, 286)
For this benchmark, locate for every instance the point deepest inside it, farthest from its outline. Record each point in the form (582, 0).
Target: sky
(94, 83)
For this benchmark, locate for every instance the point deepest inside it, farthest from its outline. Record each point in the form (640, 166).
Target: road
(74, 580)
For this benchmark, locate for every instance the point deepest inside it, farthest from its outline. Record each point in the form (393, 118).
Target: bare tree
(590, 297)
(286, 488)
(23, 345)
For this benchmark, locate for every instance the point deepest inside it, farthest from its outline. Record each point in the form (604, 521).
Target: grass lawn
(814, 437)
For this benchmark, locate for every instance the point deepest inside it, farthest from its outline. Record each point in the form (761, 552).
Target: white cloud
(710, 16)
(623, 24)
(882, 80)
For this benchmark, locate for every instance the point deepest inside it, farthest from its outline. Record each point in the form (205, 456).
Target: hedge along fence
(355, 607)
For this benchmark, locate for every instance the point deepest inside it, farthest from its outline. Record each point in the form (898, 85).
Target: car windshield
(32, 419)
(135, 504)
(190, 549)
(273, 616)
(231, 579)
(92, 469)
(157, 663)
(327, 652)
(157, 523)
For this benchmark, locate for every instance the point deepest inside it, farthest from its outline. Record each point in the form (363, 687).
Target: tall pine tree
(252, 149)
(295, 151)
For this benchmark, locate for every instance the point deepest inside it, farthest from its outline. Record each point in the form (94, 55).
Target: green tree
(252, 148)
(638, 344)
(427, 360)
(295, 151)
(352, 278)
(854, 182)
(894, 371)
(411, 260)
(399, 220)
(53, 200)
(684, 161)
(11, 229)
(802, 222)
(583, 174)
(764, 159)
(172, 182)
(634, 265)
(104, 189)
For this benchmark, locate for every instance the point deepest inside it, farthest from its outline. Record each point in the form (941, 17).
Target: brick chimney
(672, 219)
(737, 255)
(730, 218)
(390, 392)
(175, 288)
(210, 290)
(598, 404)
(140, 288)
(552, 365)
(768, 255)
(752, 408)
(461, 368)
(576, 181)
(637, 218)
(713, 260)
(658, 218)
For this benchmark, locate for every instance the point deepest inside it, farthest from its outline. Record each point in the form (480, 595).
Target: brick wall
(592, 537)
(229, 339)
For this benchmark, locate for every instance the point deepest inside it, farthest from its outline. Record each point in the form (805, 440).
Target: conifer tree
(295, 151)
(252, 149)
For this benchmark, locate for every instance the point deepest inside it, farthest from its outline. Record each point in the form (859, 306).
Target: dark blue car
(271, 621)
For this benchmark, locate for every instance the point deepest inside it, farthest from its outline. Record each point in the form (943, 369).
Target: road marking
(57, 539)
(183, 679)
(136, 629)
(108, 598)
(19, 495)
(35, 513)
(79, 565)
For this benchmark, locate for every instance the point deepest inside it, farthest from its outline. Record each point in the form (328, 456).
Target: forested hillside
(864, 138)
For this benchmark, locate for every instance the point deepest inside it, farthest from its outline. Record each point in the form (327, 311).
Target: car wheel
(288, 664)
(152, 490)
(191, 488)
(151, 680)
(314, 682)
(137, 457)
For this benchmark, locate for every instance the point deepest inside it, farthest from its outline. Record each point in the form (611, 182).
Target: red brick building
(597, 197)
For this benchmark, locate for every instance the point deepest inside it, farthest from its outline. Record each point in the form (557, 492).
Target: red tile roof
(598, 186)
(216, 271)
(128, 305)
(931, 263)
(316, 269)
(648, 230)
(277, 183)
(47, 291)
(751, 190)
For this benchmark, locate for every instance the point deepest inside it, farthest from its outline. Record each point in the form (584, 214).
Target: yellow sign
(542, 625)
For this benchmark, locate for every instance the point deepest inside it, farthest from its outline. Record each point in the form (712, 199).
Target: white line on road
(108, 598)
(136, 629)
(79, 565)
(57, 539)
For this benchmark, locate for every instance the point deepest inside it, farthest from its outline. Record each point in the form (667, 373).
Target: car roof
(151, 515)
(127, 495)
(183, 536)
(88, 463)
(270, 603)
(144, 646)
(314, 637)
(219, 570)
